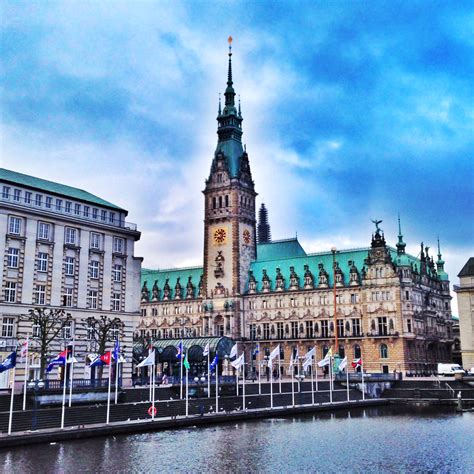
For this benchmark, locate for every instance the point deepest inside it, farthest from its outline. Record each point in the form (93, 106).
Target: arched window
(325, 351)
(220, 201)
(342, 352)
(357, 352)
(214, 203)
(383, 351)
(226, 200)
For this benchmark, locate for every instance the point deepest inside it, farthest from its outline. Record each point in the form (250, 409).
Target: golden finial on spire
(230, 40)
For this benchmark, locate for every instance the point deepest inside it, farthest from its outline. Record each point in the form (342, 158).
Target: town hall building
(386, 306)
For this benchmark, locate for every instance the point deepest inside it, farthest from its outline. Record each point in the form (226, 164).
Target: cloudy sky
(352, 110)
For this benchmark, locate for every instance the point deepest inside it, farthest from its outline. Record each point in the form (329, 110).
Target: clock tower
(229, 216)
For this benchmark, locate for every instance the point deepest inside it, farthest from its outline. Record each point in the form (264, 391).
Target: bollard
(459, 401)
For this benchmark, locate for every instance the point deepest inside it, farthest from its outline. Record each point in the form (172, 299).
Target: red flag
(106, 358)
(356, 363)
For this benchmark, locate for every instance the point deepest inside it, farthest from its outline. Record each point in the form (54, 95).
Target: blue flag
(97, 362)
(8, 363)
(256, 350)
(60, 359)
(116, 350)
(213, 364)
(180, 350)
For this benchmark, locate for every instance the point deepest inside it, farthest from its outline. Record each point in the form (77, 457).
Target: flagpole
(187, 393)
(10, 418)
(149, 385)
(117, 378)
(26, 370)
(312, 384)
(108, 393)
(63, 411)
(347, 379)
(292, 384)
(243, 385)
(362, 371)
(279, 370)
(181, 371)
(330, 379)
(271, 387)
(316, 369)
(71, 376)
(217, 385)
(259, 375)
(153, 394)
(208, 374)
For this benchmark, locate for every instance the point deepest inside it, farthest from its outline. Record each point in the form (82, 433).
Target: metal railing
(80, 383)
(451, 389)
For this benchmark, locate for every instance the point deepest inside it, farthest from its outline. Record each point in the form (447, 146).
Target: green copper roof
(172, 274)
(280, 248)
(54, 188)
(233, 151)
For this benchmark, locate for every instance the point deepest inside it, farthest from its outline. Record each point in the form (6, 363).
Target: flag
(310, 354)
(233, 351)
(106, 358)
(239, 362)
(96, 361)
(213, 364)
(326, 360)
(307, 363)
(256, 351)
(205, 352)
(60, 359)
(8, 363)
(293, 359)
(342, 364)
(186, 362)
(356, 363)
(273, 354)
(24, 349)
(150, 360)
(117, 351)
(180, 350)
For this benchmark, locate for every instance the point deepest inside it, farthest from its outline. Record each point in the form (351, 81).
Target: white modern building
(65, 248)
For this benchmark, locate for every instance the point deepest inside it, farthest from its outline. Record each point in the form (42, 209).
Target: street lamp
(199, 381)
(35, 385)
(300, 378)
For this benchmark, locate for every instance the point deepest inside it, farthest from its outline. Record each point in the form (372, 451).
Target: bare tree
(48, 324)
(102, 330)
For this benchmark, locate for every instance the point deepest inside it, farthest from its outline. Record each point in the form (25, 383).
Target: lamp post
(35, 385)
(199, 381)
(300, 378)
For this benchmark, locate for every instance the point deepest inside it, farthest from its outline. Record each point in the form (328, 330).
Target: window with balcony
(12, 257)
(280, 331)
(266, 330)
(356, 327)
(70, 236)
(39, 295)
(324, 328)
(44, 231)
(95, 241)
(340, 327)
(382, 326)
(294, 329)
(14, 225)
(8, 326)
(94, 269)
(10, 292)
(309, 329)
(42, 262)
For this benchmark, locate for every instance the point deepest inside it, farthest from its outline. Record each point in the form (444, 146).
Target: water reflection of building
(393, 308)
(465, 295)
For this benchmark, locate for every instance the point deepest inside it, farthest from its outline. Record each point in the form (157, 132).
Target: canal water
(382, 439)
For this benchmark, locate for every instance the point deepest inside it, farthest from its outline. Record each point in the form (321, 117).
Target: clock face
(220, 236)
(246, 236)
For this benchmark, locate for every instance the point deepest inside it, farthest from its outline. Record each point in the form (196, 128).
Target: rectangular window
(266, 330)
(294, 329)
(118, 245)
(94, 269)
(324, 329)
(17, 195)
(8, 324)
(67, 297)
(70, 236)
(356, 327)
(66, 331)
(264, 304)
(354, 298)
(95, 241)
(27, 197)
(44, 231)
(95, 213)
(340, 327)
(409, 325)
(38, 200)
(103, 215)
(111, 217)
(280, 333)
(42, 262)
(115, 302)
(35, 330)
(59, 204)
(39, 294)
(86, 211)
(77, 209)
(69, 266)
(10, 292)
(117, 273)
(382, 326)
(309, 329)
(48, 202)
(12, 257)
(6, 192)
(67, 207)
(92, 299)
(253, 332)
(14, 225)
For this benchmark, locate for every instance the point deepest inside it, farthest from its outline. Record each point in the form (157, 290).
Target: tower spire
(400, 245)
(229, 92)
